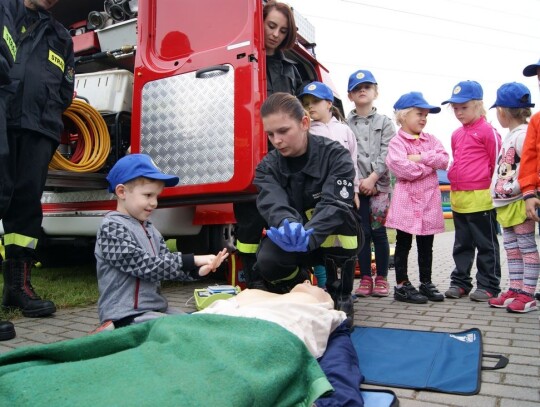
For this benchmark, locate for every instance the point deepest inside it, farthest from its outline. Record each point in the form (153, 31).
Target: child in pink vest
(415, 209)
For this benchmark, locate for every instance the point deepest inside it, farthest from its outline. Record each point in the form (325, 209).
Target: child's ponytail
(337, 114)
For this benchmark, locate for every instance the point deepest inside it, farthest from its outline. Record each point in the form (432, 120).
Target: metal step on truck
(182, 81)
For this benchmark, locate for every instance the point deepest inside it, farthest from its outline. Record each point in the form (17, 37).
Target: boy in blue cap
(513, 106)
(132, 258)
(373, 132)
(475, 146)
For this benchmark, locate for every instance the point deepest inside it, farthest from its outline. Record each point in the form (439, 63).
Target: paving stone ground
(517, 336)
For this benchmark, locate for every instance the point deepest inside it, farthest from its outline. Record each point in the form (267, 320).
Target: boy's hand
(531, 205)
(209, 263)
(367, 185)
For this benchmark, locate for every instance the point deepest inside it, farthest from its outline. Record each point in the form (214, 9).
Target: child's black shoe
(431, 292)
(408, 293)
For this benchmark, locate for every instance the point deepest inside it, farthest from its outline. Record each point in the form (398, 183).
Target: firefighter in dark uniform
(281, 76)
(40, 89)
(9, 11)
(306, 191)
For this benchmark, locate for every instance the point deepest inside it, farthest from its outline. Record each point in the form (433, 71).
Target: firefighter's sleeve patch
(344, 189)
(70, 74)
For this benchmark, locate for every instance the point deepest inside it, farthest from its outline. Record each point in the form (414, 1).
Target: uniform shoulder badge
(70, 74)
(343, 189)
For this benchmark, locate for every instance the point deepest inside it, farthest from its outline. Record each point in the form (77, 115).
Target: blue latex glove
(291, 237)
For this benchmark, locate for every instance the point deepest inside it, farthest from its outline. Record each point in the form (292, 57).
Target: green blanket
(187, 360)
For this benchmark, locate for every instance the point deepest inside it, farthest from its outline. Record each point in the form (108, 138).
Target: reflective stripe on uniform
(346, 242)
(233, 270)
(309, 213)
(56, 60)
(248, 248)
(12, 46)
(289, 277)
(20, 240)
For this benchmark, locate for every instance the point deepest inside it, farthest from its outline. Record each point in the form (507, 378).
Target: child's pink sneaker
(106, 326)
(503, 300)
(522, 303)
(365, 289)
(381, 287)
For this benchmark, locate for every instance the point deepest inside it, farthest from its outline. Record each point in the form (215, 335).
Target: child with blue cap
(326, 120)
(475, 147)
(513, 106)
(131, 255)
(373, 132)
(414, 158)
(529, 176)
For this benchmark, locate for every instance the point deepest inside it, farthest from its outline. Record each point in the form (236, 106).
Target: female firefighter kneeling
(306, 191)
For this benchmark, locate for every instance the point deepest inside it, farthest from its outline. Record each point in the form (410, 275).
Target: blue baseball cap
(531, 70)
(359, 77)
(513, 95)
(465, 91)
(415, 99)
(137, 165)
(319, 90)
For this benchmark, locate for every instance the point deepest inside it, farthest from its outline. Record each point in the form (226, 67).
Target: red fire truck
(182, 81)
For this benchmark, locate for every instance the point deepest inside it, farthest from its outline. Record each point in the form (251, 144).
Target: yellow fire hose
(95, 137)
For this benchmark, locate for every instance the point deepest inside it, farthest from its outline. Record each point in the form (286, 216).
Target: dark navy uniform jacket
(319, 196)
(282, 75)
(9, 12)
(42, 77)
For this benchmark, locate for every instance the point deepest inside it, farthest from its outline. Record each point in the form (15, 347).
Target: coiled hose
(94, 142)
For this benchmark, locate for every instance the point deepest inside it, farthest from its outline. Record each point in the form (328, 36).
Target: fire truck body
(199, 79)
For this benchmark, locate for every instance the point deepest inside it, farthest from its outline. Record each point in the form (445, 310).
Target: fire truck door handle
(203, 72)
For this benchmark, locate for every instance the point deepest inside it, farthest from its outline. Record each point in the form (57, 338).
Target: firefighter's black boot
(7, 331)
(340, 271)
(18, 291)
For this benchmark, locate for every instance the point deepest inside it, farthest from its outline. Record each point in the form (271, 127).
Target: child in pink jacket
(475, 146)
(415, 209)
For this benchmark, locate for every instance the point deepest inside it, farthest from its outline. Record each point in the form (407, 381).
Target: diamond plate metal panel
(76, 196)
(305, 28)
(187, 126)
